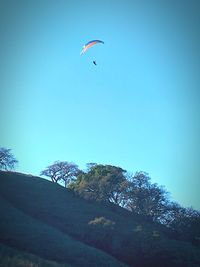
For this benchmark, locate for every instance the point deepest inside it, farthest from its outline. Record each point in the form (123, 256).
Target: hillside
(47, 220)
(10, 257)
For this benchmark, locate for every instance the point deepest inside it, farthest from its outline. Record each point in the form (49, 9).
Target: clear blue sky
(138, 108)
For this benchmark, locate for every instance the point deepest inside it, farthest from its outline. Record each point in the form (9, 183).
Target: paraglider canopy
(90, 44)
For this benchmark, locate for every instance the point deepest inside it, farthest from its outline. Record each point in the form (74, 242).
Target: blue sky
(137, 109)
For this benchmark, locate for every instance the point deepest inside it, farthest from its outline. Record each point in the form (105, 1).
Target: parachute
(90, 44)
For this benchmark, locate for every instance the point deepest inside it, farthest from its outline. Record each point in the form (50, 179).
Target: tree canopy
(102, 183)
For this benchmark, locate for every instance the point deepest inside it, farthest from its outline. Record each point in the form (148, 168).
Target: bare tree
(7, 160)
(145, 198)
(61, 171)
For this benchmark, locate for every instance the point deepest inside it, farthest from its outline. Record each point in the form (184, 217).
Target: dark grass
(10, 257)
(21, 231)
(57, 210)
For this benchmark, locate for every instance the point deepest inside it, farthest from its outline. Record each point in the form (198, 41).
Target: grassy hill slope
(17, 229)
(49, 220)
(10, 257)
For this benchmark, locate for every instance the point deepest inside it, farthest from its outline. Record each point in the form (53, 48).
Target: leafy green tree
(102, 183)
(61, 171)
(145, 198)
(7, 160)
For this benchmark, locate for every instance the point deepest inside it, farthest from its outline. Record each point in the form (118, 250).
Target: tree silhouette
(145, 198)
(7, 160)
(61, 171)
(184, 222)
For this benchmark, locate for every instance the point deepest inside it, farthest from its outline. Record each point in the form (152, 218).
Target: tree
(184, 222)
(145, 198)
(7, 160)
(61, 171)
(102, 183)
